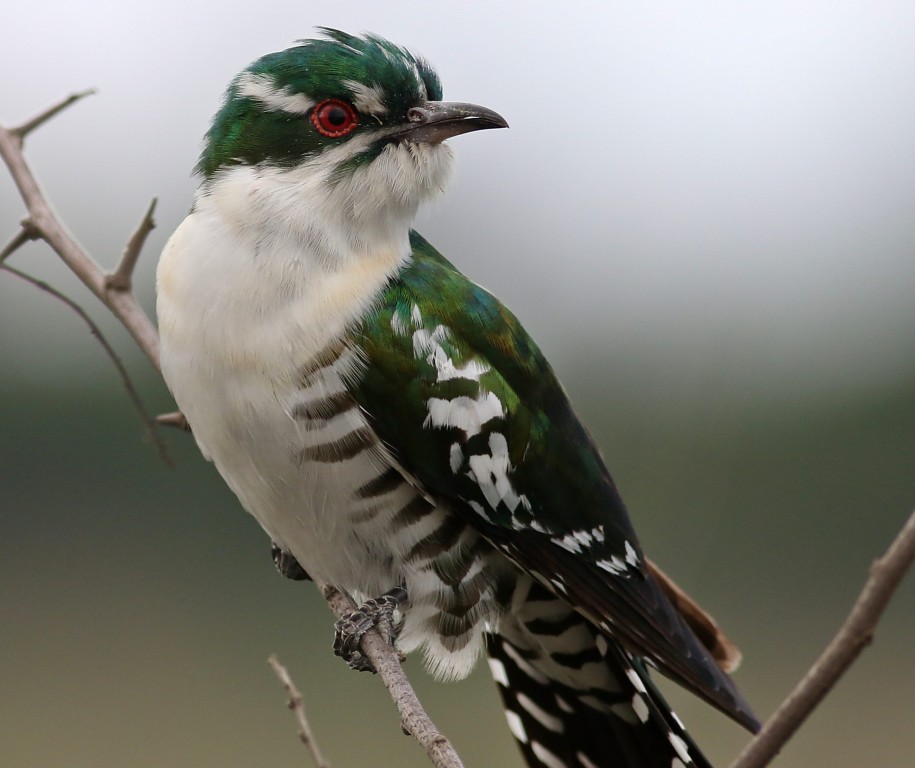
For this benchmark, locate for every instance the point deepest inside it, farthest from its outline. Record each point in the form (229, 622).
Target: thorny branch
(45, 225)
(115, 292)
(120, 279)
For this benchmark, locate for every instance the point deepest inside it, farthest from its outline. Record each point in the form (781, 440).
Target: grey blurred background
(703, 212)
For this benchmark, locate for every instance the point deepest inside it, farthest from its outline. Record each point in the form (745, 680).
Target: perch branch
(386, 661)
(857, 632)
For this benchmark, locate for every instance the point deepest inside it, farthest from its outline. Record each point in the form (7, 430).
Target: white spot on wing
(463, 412)
(577, 540)
(491, 474)
(614, 565)
(398, 325)
(456, 457)
(446, 369)
(585, 760)
(426, 342)
(632, 556)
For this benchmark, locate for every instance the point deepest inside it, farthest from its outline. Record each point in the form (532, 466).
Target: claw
(377, 612)
(286, 564)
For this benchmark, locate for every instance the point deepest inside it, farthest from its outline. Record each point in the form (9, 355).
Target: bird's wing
(470, 407)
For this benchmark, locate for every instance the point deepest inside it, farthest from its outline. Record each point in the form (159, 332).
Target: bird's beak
(435, 121)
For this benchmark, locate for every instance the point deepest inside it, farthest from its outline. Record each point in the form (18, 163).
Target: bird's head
(354, 121)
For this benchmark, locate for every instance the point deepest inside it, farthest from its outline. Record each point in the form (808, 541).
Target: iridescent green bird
(393, 427)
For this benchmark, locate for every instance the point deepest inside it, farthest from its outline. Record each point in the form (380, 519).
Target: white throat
(335, 212)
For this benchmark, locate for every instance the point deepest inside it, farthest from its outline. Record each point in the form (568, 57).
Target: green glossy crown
(265, 117)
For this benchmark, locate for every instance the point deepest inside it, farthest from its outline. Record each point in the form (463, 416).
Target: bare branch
(18, 240)
(297, 706)
(21, 131)
(120, 279)
(386, 661)
(852, 638)
(151, 432)
(48, 227)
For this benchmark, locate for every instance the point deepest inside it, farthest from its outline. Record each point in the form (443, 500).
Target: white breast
(243, 311)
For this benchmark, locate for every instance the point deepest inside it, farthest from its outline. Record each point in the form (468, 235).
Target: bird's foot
(377, 612)
(286, 564)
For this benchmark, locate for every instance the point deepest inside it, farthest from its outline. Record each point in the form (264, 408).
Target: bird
(393, 427)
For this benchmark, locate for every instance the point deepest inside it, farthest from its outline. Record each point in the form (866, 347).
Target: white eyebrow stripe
(263, 88)
(367, 98)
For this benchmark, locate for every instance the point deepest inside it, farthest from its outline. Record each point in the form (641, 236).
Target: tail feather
(575, 699)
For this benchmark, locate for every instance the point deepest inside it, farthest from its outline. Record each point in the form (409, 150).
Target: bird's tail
(572, 697)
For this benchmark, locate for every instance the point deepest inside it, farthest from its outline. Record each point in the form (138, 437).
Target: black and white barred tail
(575, 699)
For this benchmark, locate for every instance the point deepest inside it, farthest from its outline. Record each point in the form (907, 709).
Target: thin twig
(121, 278)
(386, 661)
(298, 707)
(852, 638)
(21, 131)
(18, 240)
(152, 432)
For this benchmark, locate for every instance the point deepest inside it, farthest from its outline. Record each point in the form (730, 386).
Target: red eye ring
(334, 118)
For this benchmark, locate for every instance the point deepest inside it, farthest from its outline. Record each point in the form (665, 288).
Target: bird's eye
(334, 118)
